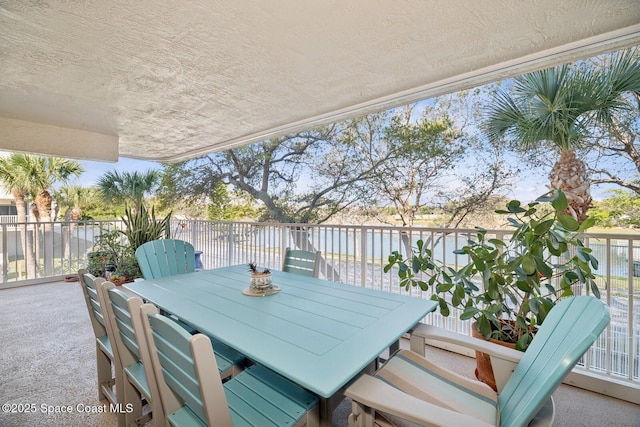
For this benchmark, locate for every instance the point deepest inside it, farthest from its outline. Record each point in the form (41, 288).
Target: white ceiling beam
(39, 138)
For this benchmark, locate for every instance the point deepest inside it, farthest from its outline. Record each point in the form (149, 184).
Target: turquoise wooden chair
(193, 394)
(168, 257)
(410, 387)
(104, 351)
(305, 263)
(132, 355)
(135, 381)
(165, 257)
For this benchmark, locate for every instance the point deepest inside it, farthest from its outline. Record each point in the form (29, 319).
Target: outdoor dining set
(188, 346)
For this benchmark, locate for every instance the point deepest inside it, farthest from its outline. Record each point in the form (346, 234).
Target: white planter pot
(261, 282)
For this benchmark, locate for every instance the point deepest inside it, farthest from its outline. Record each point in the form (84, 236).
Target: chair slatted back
(165, 257)
(301, 262)
(123, 321)
(566, 334)
(93, 303)
(122, 313)
(188, 367)
(104, 350)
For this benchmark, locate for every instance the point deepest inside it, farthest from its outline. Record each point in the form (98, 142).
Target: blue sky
(526, 187)
(94, 170)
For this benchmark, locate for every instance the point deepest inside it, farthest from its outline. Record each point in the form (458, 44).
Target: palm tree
(562, 105)
(122, 187)
(44, 172)
(70, 197)
(13, 175)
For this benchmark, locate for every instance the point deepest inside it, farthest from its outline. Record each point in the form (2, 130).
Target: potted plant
(127, 268)
(142, 226)
(114, 251)
(508, 286)
(105, 252)
(113, 259)
(260, 280)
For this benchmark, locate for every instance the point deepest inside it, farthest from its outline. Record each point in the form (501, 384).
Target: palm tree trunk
(71, 218)
(569, 174)
(43, 202)
(35, 215)
(26, 239)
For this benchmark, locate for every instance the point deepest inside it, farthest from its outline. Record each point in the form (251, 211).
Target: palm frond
(561, 104)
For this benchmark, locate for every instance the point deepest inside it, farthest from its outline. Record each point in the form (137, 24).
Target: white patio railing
(353, 255)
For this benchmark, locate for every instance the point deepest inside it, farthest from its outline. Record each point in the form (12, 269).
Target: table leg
(394, 347)
(328, 405)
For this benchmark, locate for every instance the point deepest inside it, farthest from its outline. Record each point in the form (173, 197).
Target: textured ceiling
(169, 80)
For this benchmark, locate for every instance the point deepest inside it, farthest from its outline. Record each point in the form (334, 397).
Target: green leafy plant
(128, 265)
(106, 250)
(141, 226)
(508, 286)
(117, 247)
(112, 249)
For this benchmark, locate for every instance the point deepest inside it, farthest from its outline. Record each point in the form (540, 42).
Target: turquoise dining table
(317, 333)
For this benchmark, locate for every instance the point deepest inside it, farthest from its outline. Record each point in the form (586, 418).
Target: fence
(354, 255)
(52, 249)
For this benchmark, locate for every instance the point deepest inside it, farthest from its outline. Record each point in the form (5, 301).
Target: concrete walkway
(47, 368)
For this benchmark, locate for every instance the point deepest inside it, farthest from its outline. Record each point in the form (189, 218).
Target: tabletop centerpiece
(260, 279)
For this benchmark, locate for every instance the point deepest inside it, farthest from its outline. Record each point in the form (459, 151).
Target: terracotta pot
(118, 279)
(122, 282)
(484, 370)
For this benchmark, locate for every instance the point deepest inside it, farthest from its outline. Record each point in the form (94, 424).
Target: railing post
(630, 317)
(194, 233)
(5, 254)
(363, 257)
(284, 238)
(230, 245)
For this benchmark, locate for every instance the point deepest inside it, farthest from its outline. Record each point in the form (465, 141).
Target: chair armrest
(423, 332)
(370, 392)
(503, 359)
